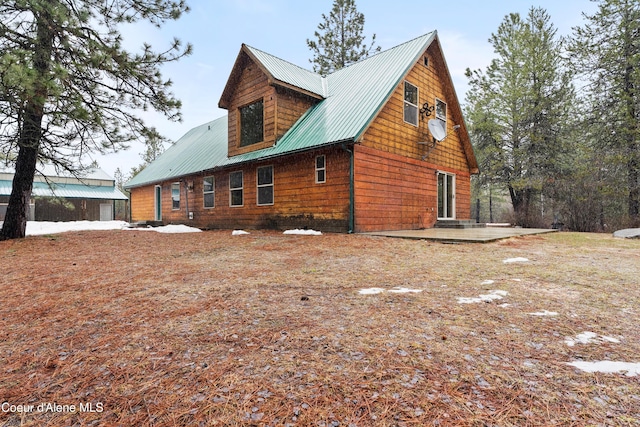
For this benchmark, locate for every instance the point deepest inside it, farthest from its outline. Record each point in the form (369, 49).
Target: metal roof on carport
(68, 191)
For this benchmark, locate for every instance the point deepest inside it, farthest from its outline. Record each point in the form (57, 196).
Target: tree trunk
(634, 190)
(15, 221)
(631, 97)
(521, 201)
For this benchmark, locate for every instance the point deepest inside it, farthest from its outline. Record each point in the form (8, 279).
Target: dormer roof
(279, 73)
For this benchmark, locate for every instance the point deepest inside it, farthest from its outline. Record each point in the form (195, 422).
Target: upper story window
(410, 103)
(441, 111)
(321, 169)
(252, 123)
(208, 191)
(175, 196)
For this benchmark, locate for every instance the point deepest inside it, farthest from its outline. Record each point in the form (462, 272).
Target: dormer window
(252, 123)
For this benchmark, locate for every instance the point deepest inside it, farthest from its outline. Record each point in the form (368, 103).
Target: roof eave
(241, 162)
(275, 82)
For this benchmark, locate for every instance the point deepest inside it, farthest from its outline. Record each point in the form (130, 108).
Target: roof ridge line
(284, 60)
(430, 33)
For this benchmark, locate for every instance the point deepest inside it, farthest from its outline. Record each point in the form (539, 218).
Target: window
(321, 170)
(410, 103)
(209, 191)
(251, 124)
(175, 196)
(265, 185)
(441, 112)
(236, 196)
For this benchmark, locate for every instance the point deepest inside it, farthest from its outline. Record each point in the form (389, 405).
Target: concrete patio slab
(468, 235)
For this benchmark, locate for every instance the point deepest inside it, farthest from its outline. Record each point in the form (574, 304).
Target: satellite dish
(437, 129)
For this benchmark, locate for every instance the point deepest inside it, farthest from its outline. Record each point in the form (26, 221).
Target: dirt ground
(124, 328)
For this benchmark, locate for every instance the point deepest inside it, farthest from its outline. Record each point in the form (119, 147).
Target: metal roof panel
(289, 73)
(69, 191)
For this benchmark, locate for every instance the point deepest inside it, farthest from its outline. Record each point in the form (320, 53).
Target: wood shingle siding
(252, 86)
(389, 133)
(394, 193)
(298, 200)
(290, 106)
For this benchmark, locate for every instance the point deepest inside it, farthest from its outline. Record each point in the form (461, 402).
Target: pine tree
(606, 55)
(67, 86)
(339, 39)
(517, 109)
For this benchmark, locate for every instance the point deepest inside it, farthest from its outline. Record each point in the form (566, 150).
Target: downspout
(186, 197)
(351, 189)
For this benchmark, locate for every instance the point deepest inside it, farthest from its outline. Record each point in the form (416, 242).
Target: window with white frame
(208, 191)
(175, 196)
(410, 103)
(236, 189)
(321, 169)
(441, 112)
(265, 185)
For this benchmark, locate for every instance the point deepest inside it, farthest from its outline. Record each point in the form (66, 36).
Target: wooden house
(378, 145)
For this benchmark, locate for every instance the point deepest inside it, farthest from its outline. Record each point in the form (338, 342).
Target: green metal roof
(68, 191)
(289, 73)
(353, 97)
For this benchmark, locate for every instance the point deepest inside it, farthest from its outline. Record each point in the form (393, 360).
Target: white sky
(281, 28)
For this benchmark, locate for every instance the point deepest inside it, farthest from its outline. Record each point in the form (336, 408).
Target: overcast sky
(216, 29)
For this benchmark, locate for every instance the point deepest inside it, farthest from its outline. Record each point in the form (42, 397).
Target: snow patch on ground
(589, 338)
(36, 228)
(303, 232)
(517, 259)
(488, 282)
(176, 228)
(397, 290)
(608, 367)
(370, 291)
(544, 313)
(492, 295)
(238, 233)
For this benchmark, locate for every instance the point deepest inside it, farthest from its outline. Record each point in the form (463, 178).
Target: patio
(462, 235)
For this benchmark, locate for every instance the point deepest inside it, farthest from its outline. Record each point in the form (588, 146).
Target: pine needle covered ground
(132, 328)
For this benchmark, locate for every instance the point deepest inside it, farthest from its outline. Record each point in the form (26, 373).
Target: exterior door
(446, 196)
(106, 212)
(158, 203)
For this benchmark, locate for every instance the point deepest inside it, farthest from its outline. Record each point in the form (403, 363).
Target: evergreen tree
(606, 55)
(119, 179)
(153, 148)
(67, 87)
(340, 41)
(517, 108)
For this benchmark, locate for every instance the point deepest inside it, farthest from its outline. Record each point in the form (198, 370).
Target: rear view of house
(378, 145)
